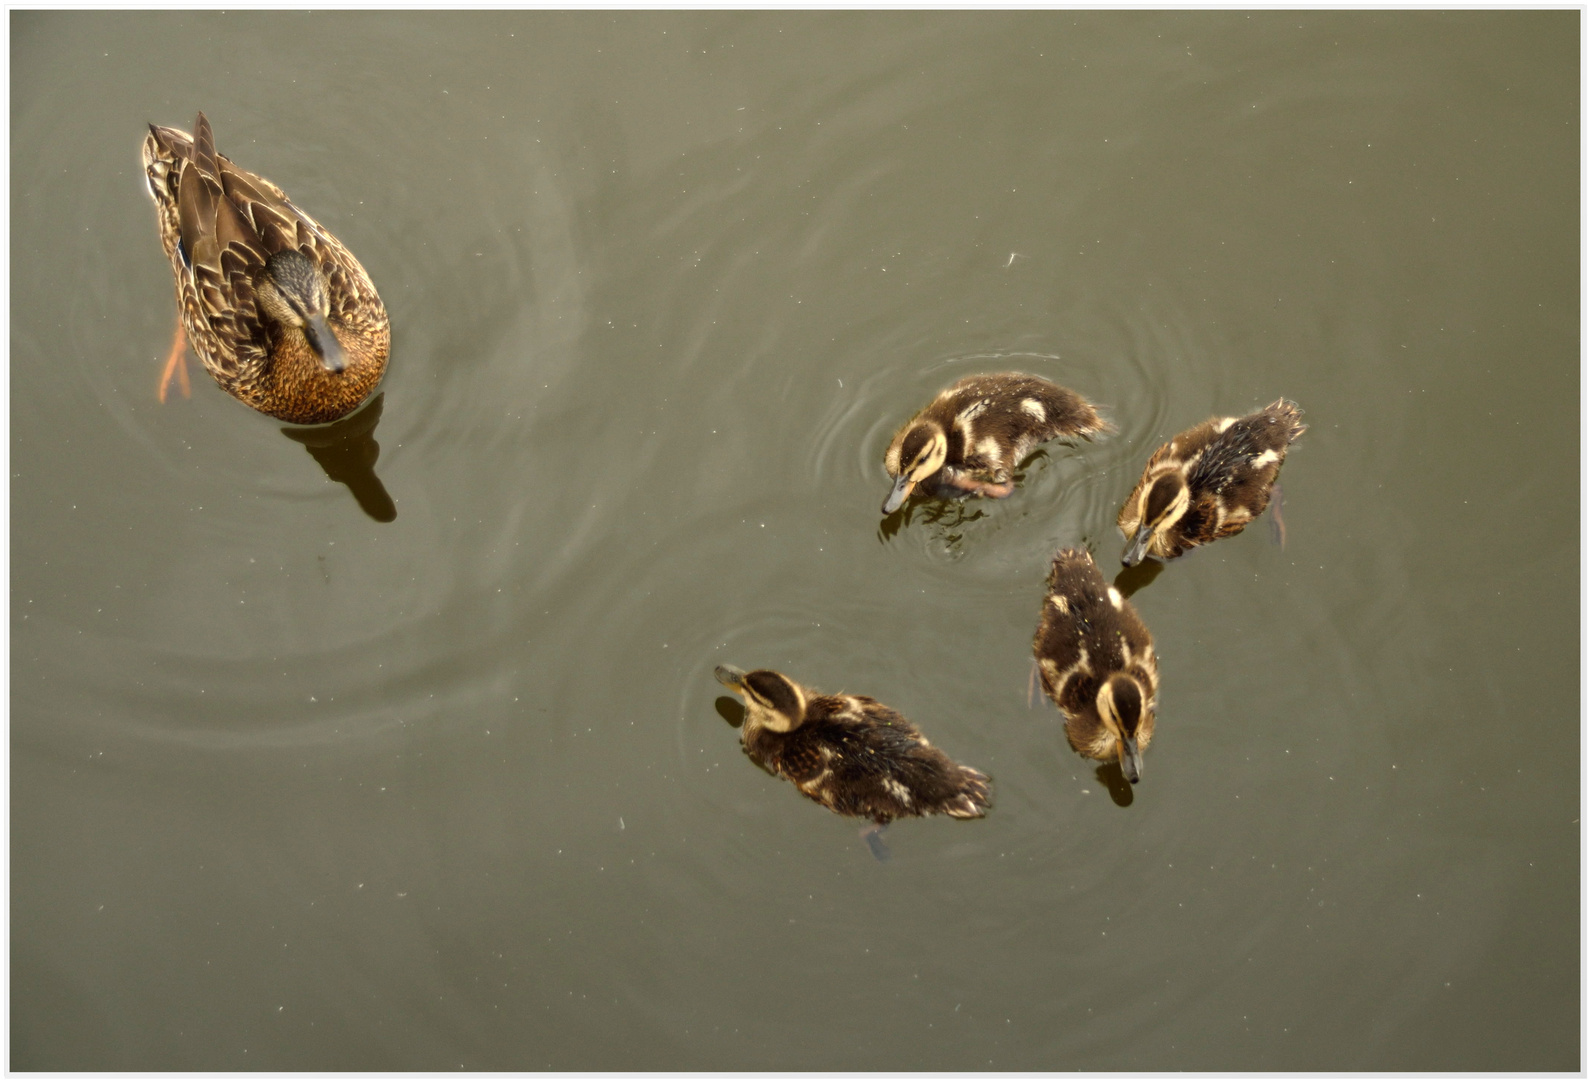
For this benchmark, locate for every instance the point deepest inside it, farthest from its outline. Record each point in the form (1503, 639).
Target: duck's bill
(1130, 760)
(1137, 549)
(325, 345)
(730, 676)
(901, 491)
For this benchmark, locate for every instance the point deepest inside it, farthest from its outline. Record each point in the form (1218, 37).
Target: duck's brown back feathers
(219, 225)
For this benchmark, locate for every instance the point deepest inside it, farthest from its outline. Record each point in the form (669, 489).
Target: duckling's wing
(865, 763)
(1059, 411)
(1234, 475)
(1073, 640)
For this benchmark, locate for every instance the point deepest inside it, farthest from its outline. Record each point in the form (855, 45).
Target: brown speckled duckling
(969, 440)
(852, 754)
(1097, 663)
(279, 312)
(1207, 482)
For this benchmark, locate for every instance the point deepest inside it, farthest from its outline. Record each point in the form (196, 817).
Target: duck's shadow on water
(1133, 579)
(1112, 777)
(730, 710)
(946, 516)
(347, 451)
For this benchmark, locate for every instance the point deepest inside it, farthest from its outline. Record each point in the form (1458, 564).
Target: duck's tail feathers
(1288, 411)
(973, 799)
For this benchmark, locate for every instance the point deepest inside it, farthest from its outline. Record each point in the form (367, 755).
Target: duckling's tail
(1288, 413)
(973, 799)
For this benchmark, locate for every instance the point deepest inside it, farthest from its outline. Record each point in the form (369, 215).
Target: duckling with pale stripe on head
(851, 753)
(974, 434)
(1097, 663)
(1207, 482)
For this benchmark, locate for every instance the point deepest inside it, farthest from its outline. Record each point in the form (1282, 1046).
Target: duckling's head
(916, 452)
(1122, 703)
(771, 700)
(1163, 503)
(292, 291)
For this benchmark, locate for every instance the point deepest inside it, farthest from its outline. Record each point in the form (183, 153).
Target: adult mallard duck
(1097, 663)
(852, 754)
(279, 312)
(1207, 482)
(969, 440)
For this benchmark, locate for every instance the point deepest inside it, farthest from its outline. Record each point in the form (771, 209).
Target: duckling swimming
(852, 754)
(1207, 482)
(971, 437)
(1097, 663)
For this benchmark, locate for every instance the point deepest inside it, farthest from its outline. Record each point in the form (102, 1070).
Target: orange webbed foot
(175, 365)
(974, 485)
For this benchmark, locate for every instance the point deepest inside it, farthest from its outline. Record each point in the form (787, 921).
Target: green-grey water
(293, 787)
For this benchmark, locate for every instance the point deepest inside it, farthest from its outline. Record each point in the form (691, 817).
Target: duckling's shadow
(730, 710)
(347, 451)
(1133, 579)
(944, 515)
(1111, 776)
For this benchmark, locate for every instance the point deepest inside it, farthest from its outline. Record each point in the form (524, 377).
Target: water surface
(294, 787)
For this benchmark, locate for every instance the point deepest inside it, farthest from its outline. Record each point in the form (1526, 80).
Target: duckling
(1207, 482)
(970, 438)
(1097, 663)
(852, 754)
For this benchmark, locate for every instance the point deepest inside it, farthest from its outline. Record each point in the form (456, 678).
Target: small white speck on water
(621, 826)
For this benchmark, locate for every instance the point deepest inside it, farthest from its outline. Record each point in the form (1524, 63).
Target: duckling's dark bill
(1138, 547)
(730, 676)
(901, 491)
(1130, 760)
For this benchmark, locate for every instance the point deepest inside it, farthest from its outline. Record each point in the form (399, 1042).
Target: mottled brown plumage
(1207, 482)
(279, 312)
(852, 754)
(969, 440)
(1097, 663)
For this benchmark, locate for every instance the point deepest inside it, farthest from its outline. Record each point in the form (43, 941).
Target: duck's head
(916, 452)
(771, 700)
(293, 292)
(1163, 503)
(1122, 704)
